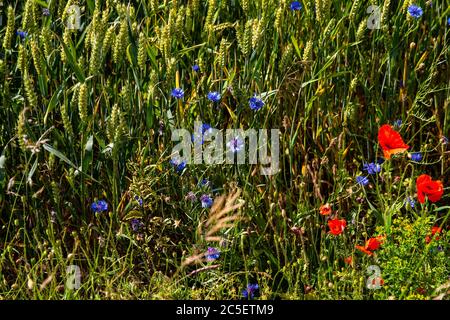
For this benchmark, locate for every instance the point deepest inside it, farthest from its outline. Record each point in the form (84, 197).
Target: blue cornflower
(45, 12)
(22, 34)
(249, 293)
(380, 160)
(206, 200)
(448, 21)
(235, 144)
(205, 129)
(372, 168)
(178, 93)
(99, 206)
(212, 254)
(205, 183)
(255, 103)
(295, 5)
(136, 224)
(398, 123)
(362, 180)
(179, 166)
(139, 200)
(214, 96)
(411, 202)
(415, 11)
(196, 68)
(416, 156)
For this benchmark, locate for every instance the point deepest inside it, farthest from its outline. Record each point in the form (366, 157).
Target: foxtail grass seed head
(82, 102)
(279, 17)
(66, 121)
(361, 30)
(29, 16)
(22, 58)
(307, 54)
(39, 63)
(29, 90)
(46, 39)
(210, 14)
(142, 51)
(96, 55)
(9, 32)
(121, 42)
(385, 14)
(223, 52)
(108, 40)
(354, 10)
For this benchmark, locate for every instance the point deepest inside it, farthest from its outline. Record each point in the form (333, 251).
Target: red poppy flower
(427, 187)
(371, 245)
(434, 230)
(337, 226)
(325, 209)
(390, 141)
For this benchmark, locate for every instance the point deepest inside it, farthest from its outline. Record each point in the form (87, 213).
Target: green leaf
(71, 60)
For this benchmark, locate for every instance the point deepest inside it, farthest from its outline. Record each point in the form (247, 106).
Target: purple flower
(179, 166)
(214, 96)
(22, 34)
(45, 12)
(196, 68)
(415, 11)
(136, 225)
(249, 293)
(362, 180)
(235, 144)
(416, 156)
(255, 103)
(212, 254)
(178, 93)
(444, 140)
(139, 200)
(372, 168)
(207, 201)
(411, 202)
(295, 6)
(99, 206)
